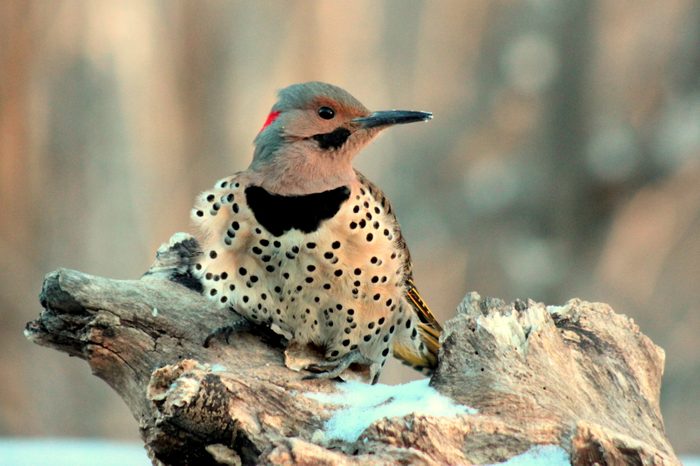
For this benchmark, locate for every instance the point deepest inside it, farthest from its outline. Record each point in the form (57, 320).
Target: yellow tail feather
(429, 331)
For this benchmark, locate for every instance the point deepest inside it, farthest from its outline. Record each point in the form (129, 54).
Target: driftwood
(577, 376)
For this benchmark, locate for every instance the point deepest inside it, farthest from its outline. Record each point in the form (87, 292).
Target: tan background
(563, 159)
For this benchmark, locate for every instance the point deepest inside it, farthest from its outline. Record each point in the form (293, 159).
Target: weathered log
(574, 383)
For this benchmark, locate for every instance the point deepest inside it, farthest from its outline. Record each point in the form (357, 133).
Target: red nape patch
(270, 118)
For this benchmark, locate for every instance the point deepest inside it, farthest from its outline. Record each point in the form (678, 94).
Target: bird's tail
(421, 353)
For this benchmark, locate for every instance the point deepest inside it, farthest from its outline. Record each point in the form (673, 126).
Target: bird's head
(311, 136)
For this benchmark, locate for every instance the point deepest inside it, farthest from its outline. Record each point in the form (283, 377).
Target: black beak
(392, 117)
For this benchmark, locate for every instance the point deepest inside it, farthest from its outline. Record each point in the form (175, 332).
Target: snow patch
(365, 404)
(218, 368)
(154, 312)
(551, 455)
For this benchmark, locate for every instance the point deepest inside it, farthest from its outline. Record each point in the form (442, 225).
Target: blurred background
(563, 160)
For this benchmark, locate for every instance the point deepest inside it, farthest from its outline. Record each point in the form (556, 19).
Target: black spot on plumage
(311, 245)
(375, 279)
(208, 276)
(277, 244)
(279, 214)
(199, 213)
(338, 273)
(256, 250)
(242, 271)
(224, 275)
(326, 286)
(328, 255)
(235, 225)
(264, 242)
(370, 325)
(223, 184)
(367, 337)
(333, 140)
(210, 198)
(265, 258)
(285, 275)
(235, 208)
(270, 268)
(224, 299)
(356, 209)
(227, 241)
(363, 223)
(357, 271)
(310, 267)
(370, 237)
(229, 198)
(213, 291)
(253, 278)
(216, 206)
(309, 279)
(335, 244)
(356, 283)
(381, 321)
(289, 255)
(346, 342)
(385, 352)
(278, 289)
(353, 225)
(245, 299)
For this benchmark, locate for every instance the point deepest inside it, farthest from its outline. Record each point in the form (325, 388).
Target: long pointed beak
(392, 117)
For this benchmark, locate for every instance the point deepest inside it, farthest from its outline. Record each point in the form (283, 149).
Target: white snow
(550, 455)
(70, 452)
(218, 368)
(154, 312)
(364, 404)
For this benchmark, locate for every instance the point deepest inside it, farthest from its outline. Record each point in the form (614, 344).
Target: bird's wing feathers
(429, 328)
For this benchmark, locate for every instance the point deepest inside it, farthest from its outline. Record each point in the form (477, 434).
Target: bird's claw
(331, 369)
(226, 331)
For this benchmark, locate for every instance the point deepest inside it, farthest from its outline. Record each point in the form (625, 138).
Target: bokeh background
(563, 160)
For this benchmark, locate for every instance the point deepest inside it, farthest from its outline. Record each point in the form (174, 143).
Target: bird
(304, 243)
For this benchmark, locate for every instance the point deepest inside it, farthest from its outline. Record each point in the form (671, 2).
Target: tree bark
(578, 376)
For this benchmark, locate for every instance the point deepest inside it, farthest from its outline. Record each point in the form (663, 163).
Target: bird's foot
(332, 368)
(226, 331)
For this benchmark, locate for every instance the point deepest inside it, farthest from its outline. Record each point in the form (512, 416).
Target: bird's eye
(326, 113)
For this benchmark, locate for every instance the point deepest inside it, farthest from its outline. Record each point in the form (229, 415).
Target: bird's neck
(297, 175)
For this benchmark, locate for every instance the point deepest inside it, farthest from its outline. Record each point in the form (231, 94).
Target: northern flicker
(302, 242)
